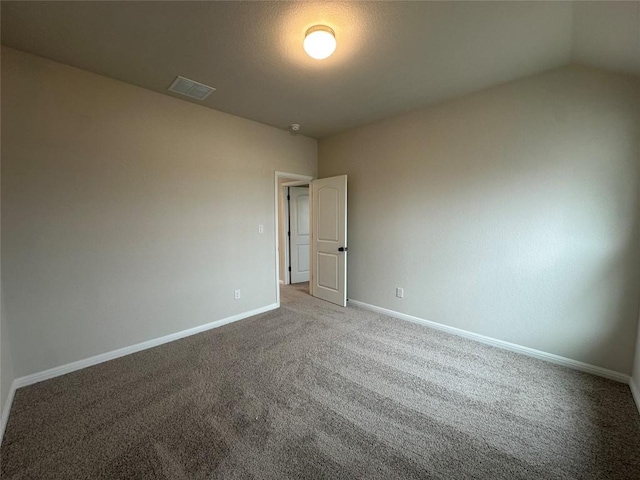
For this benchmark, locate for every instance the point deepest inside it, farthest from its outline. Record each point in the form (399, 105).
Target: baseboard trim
(635, 392)
(7, 408)
(530, 352)
(121, 352)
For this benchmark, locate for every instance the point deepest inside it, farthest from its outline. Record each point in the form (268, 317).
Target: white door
(329, 239)
(299, 233)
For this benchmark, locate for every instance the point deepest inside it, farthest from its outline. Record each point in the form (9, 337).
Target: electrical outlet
(236, 294)
(260, 228)
(400, 292)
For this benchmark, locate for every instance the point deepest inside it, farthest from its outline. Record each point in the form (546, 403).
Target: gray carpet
(316, 391)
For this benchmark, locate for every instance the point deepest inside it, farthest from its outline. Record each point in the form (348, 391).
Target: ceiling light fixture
(319, 42)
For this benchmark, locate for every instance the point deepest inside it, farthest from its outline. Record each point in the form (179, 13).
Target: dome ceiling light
(319, 42)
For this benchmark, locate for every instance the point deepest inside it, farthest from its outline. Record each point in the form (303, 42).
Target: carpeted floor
(312, 390)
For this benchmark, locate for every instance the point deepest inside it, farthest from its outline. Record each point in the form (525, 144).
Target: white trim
(278, 175)
(6, 409)
(530, 352)
(635, 392)
(104, 357)
(296, 183)
(121, 352)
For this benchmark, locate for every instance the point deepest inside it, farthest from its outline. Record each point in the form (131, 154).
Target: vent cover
(190, 88)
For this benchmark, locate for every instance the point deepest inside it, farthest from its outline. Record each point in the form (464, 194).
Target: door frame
(295, 180)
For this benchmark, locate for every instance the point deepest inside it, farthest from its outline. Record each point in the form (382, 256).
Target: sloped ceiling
(391, 57)
(607, 35)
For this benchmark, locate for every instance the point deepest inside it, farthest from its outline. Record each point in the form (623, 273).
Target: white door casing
(329, 239)
(299, 225)
(282, 179)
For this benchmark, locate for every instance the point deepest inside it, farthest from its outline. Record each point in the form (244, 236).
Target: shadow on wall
(512, 213)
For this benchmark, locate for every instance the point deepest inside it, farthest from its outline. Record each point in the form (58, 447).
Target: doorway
(290, 254)
(311, 235)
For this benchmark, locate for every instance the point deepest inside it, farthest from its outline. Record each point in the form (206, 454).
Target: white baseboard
(530, 352)
(104, 357)
(7, 408)
(635, 392)
(121, 352)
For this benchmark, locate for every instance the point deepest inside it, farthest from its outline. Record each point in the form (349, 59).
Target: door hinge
(288, 197)
(289, 233)
(289, 268)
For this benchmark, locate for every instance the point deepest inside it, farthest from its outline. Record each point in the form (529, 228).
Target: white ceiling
(391, 57)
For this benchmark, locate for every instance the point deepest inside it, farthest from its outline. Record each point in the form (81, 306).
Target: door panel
(302, 212)
(327, 218)
(299, 227)
(329, 235)
(303, 259)
(328, 269)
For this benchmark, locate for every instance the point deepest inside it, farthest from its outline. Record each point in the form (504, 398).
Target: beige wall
(512, 213)
(127, 214)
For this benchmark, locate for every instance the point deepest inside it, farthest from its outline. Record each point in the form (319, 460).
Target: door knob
(342, 249)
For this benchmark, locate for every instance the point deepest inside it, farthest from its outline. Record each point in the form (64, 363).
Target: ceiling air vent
(190, 88)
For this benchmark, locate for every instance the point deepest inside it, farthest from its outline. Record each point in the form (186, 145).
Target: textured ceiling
(391, 56)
